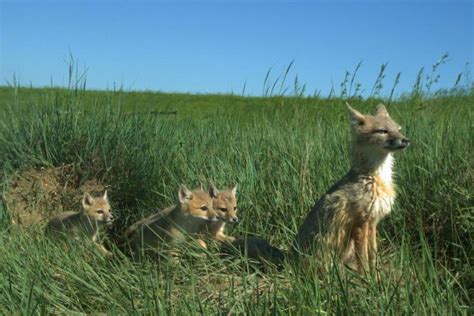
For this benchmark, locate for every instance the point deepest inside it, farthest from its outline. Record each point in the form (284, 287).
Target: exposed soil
(35, 195)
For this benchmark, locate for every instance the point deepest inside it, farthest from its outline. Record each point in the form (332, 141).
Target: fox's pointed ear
(184, 194)
(106, 197)
(355, 116)
(380, 110)
(234, 191)
(87, 200)
(213, 192)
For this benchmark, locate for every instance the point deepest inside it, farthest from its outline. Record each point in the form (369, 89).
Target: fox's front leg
(224, 238)
(202, 243)
(104, 251)
(360, 236)
(101, 248)
(372, 247)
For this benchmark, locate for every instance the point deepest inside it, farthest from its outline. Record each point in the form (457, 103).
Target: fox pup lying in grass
(172, 224)
(345, 219)
(225, 205)
(95, 213)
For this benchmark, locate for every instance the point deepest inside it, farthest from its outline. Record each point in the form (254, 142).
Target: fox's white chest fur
(383, 194)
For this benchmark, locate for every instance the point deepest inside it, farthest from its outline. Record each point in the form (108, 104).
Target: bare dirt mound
(35, 195)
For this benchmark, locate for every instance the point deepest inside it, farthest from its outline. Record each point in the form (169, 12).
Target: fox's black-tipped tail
(255, 248)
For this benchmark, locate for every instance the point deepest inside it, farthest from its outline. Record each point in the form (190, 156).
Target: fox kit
(225, 205)
(345, 218)
(172, 224)
(95, 213)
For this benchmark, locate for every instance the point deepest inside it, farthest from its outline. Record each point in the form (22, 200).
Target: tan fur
(382, 188)
(345, 219)
(225, 204)
(95, 213)
(172, 224)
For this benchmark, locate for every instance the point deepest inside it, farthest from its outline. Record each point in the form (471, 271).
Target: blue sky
(219, 46)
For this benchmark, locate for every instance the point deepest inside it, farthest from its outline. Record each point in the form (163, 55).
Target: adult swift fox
(225, 205)
(345, 218)
(172, 224)
(95, 213)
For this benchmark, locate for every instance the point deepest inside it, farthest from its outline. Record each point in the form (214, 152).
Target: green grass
(284, 152)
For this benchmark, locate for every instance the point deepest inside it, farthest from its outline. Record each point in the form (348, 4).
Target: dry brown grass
(35, 195)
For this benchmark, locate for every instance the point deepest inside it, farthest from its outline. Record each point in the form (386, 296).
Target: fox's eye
(381, 131)
(204, 208)
(223, 209)
(100, 212)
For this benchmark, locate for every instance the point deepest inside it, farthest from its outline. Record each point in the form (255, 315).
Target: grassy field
(283, 152)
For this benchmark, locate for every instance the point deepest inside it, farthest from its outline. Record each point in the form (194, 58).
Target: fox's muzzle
(399, 143)
(213, 216)
(405, 142)
(109, 220)
(212, 219)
